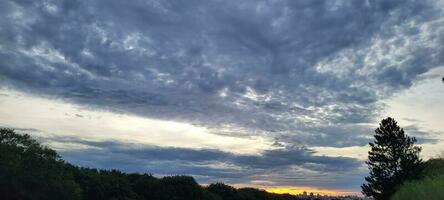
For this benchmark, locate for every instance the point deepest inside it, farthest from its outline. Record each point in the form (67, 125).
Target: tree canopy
(393, 159)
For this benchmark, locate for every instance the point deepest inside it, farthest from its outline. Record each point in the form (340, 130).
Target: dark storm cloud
(267, 65)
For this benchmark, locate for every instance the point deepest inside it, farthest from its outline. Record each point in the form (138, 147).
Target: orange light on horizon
(299, 190)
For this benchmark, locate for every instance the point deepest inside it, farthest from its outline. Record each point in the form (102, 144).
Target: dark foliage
(429, 185)
(227, 192)
(433, 168)
(393, 159)
(29, 171)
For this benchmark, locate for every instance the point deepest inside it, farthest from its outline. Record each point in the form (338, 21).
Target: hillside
(429, 187)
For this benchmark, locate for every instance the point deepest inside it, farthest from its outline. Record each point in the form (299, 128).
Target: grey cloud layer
(291, 165)
(274, 66)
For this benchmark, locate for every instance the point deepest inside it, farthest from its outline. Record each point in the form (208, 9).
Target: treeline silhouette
(29, 170)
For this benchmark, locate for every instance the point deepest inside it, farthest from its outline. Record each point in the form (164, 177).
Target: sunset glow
(315, 191)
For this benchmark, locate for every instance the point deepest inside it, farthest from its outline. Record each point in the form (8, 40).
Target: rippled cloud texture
(299, 74)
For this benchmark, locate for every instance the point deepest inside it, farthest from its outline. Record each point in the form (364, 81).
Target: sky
(282, 95)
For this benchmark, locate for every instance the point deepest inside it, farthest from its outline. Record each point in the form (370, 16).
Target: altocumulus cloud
(300, 72)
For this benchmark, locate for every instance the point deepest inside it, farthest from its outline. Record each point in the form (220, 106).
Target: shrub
(426, 188)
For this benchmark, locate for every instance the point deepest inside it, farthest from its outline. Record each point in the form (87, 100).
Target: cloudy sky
(277, 94)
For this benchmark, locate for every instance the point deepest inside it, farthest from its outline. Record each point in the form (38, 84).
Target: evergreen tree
(393, 158)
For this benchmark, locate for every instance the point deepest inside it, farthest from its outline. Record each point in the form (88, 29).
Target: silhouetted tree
(226, 192)
(393, 158)
(29, 170)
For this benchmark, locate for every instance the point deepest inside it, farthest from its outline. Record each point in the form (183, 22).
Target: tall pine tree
(393, 158)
